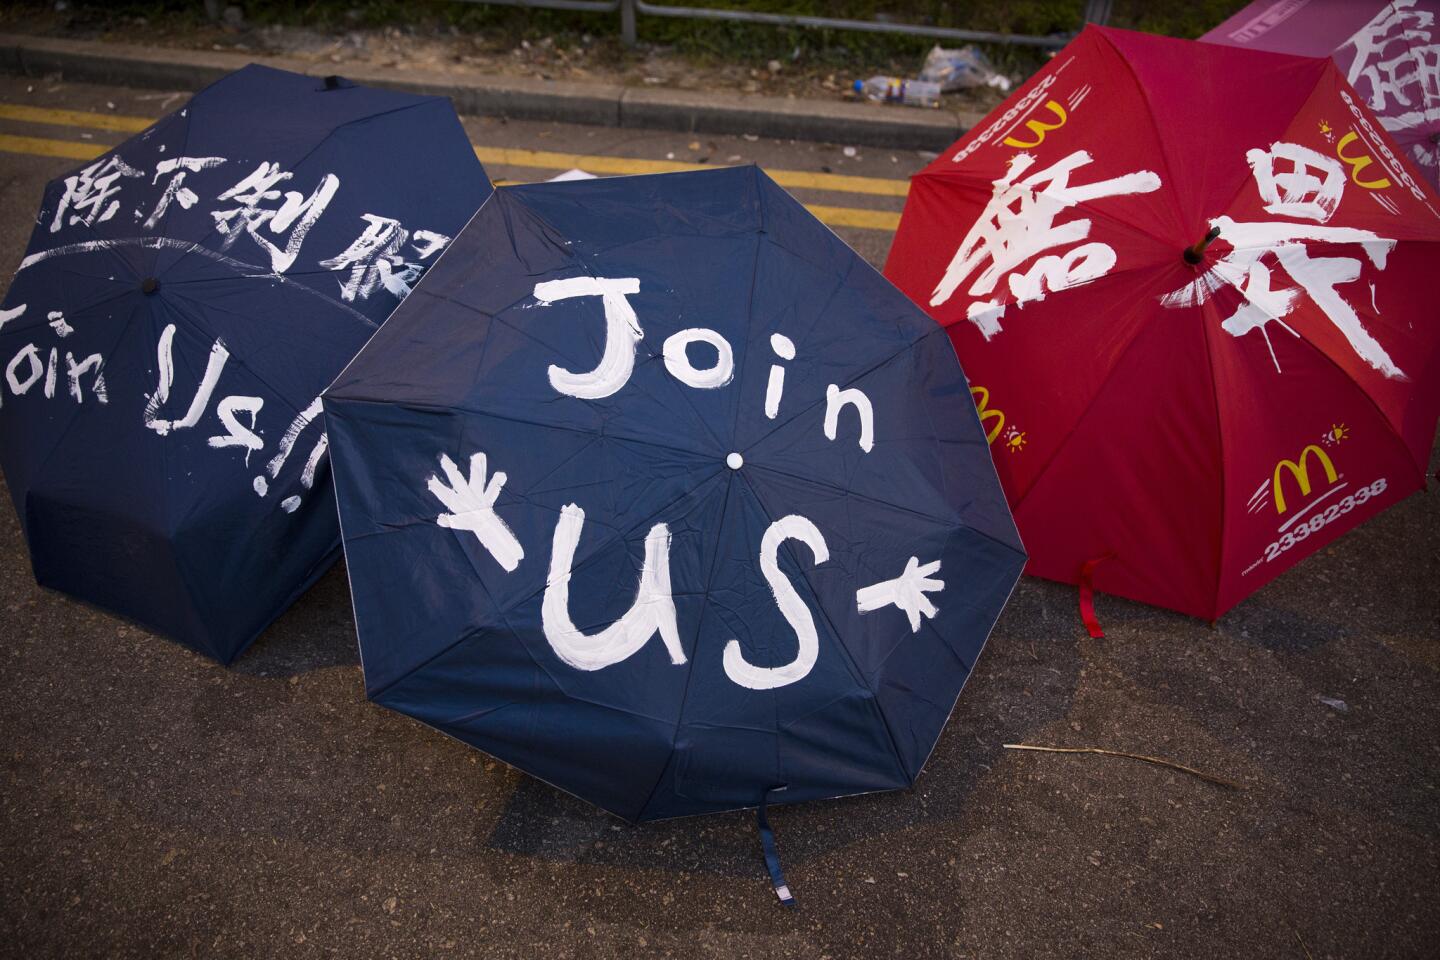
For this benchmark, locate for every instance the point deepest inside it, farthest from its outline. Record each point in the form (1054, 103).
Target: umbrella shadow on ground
(317, 632)
(1013, 691)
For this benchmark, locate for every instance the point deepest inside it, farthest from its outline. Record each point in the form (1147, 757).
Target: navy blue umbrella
(656, 490)
(183, 301)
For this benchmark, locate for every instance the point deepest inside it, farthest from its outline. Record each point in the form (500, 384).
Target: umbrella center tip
(1196, 253)
(149, 285)
(734, 461)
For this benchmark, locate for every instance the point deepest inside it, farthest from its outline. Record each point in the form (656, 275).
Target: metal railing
(1096, 11)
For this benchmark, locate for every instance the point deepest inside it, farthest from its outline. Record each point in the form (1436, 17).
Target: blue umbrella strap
(772, 855)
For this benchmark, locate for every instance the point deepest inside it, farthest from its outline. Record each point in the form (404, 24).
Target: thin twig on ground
(1221, 781)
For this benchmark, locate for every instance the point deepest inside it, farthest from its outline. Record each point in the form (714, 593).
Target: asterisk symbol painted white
(906, 591)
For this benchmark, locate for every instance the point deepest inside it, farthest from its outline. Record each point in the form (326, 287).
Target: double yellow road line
(859, 217)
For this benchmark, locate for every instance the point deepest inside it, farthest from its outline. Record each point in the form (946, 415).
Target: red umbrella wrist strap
(1087, 595)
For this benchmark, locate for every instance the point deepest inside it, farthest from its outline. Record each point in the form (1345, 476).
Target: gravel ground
(157, 805)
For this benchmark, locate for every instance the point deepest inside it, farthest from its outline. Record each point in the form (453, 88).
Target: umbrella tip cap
(149, 285)
(734, 461)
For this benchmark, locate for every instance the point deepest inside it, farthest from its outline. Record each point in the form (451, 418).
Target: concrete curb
(520, 98)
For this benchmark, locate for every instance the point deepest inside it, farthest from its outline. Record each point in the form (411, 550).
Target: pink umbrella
(1390, 53)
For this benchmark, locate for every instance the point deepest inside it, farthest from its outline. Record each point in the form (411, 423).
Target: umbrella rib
(1244, 181)
(1100, 388)
(1397, 431)
(575, 259)
(452, 408)
(699, 627)
(956, 522)
(690, 674)
(855, 672)
(759, 239)
(1205, 334)
(90, 246)
(1176, 206)
(440, 728)
(836, 488)
(997, 488)
(956, 525)
(1324, 245)
(684, 394)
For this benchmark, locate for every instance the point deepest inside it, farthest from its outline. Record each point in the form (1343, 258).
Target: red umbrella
(1186, 421)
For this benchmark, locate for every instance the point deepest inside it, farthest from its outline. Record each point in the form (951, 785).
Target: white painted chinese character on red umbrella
(1297, 183)
(1019, 224)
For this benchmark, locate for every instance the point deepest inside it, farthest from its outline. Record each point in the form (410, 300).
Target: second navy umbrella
(184, 299)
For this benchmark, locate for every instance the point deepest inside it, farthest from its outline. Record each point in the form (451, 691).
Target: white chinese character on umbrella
(1019, 224)
(1301, 184)
(288, 223)
(374, 259)
(175, 189)
(89, 195)
(1396, 54)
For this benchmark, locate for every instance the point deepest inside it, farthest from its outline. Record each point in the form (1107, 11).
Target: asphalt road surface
(155, 804)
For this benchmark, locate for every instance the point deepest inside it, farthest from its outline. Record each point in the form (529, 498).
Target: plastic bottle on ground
(914, 93)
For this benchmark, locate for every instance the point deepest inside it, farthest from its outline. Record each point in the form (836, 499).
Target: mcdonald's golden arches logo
(1358, 164)
(1299, 470)
(987, 413)
(1039, 128)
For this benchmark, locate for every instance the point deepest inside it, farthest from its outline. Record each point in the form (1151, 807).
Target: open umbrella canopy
(1186, 421)
(656, 490)
(1389, 50)
(183, 301)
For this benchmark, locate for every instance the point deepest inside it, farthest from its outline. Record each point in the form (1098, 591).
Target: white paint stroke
(792, 607)
(291, 434)
(238, 434)
(7, 315)
(73, 371)
(653, 610)
(677, 361)
(836, 400)
(907, 592)
(214, 366)
(471, 505)
(784, 348)
(622, 333)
